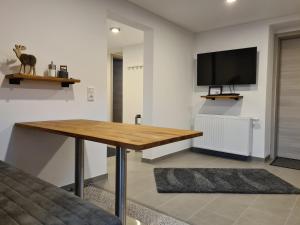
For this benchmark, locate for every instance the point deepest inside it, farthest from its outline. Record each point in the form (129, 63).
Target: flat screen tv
(231, 67)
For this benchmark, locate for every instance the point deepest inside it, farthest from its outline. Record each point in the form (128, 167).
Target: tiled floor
(209, 209)
(142, 214)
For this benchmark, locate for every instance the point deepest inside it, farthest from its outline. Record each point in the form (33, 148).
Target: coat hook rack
(137, 67)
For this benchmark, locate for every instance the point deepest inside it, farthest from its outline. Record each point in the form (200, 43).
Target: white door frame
(148, 64)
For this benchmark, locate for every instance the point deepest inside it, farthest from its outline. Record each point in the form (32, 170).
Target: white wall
(167, 85)
(253, 104)
(42, 26)
(132, 82)
(257, 98)
(172, 87)
(73, 32)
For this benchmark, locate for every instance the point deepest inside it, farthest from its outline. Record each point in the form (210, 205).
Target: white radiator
(230, 134)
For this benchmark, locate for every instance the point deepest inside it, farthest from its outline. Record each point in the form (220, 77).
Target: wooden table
(123, 136)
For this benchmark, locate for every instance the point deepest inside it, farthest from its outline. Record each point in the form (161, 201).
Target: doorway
(117, 89)
(288, 98)
(125, 74)
(126, 54)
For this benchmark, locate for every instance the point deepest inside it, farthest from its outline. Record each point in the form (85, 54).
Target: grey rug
(211, 180)
(286, 163)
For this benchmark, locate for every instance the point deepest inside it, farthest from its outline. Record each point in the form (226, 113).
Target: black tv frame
(213, 69)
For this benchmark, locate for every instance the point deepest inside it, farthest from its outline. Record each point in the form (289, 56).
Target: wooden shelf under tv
(16, 78)
(223, 97)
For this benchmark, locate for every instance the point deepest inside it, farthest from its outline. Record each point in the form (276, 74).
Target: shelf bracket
(16, 81)
(66, 84)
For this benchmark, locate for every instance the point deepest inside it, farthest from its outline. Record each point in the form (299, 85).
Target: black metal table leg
(121, 183)
(79, 167)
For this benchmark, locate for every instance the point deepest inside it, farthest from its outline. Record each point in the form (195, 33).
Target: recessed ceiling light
(230, 1)
(115, 30)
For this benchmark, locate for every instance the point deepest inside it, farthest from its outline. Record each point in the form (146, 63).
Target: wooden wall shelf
(223, 97)
(17, 78)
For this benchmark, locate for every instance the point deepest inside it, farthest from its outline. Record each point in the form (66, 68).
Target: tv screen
(205, 69)
(227, 67)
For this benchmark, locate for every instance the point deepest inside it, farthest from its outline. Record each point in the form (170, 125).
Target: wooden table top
(136, 137)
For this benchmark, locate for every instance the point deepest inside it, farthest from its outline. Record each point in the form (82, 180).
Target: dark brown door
(288, 140)
(117, 90)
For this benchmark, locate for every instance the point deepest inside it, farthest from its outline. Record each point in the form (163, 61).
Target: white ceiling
(200, 15)
(127, 36)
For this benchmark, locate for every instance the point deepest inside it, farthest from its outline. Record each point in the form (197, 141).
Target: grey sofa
(27, 200)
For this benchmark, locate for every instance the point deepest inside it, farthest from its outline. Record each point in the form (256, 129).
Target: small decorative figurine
(26, 60)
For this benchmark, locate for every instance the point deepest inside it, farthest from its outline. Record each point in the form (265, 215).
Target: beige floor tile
(185, 205)
(245, 221)
(297, 205)
(279, 205)
(232, 163)
(153, 199)
(190, 160)
(294, 218)
(212, 209)
(139, 187)
(230, 206)
(260, 217)
(205, 217)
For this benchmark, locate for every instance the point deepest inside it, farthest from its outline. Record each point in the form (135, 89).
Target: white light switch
(90, 94)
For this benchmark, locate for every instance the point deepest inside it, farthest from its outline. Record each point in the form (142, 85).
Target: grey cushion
(26, 200)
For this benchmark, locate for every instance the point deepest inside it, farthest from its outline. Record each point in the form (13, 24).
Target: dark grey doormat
(286, 163)
(211, 180)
